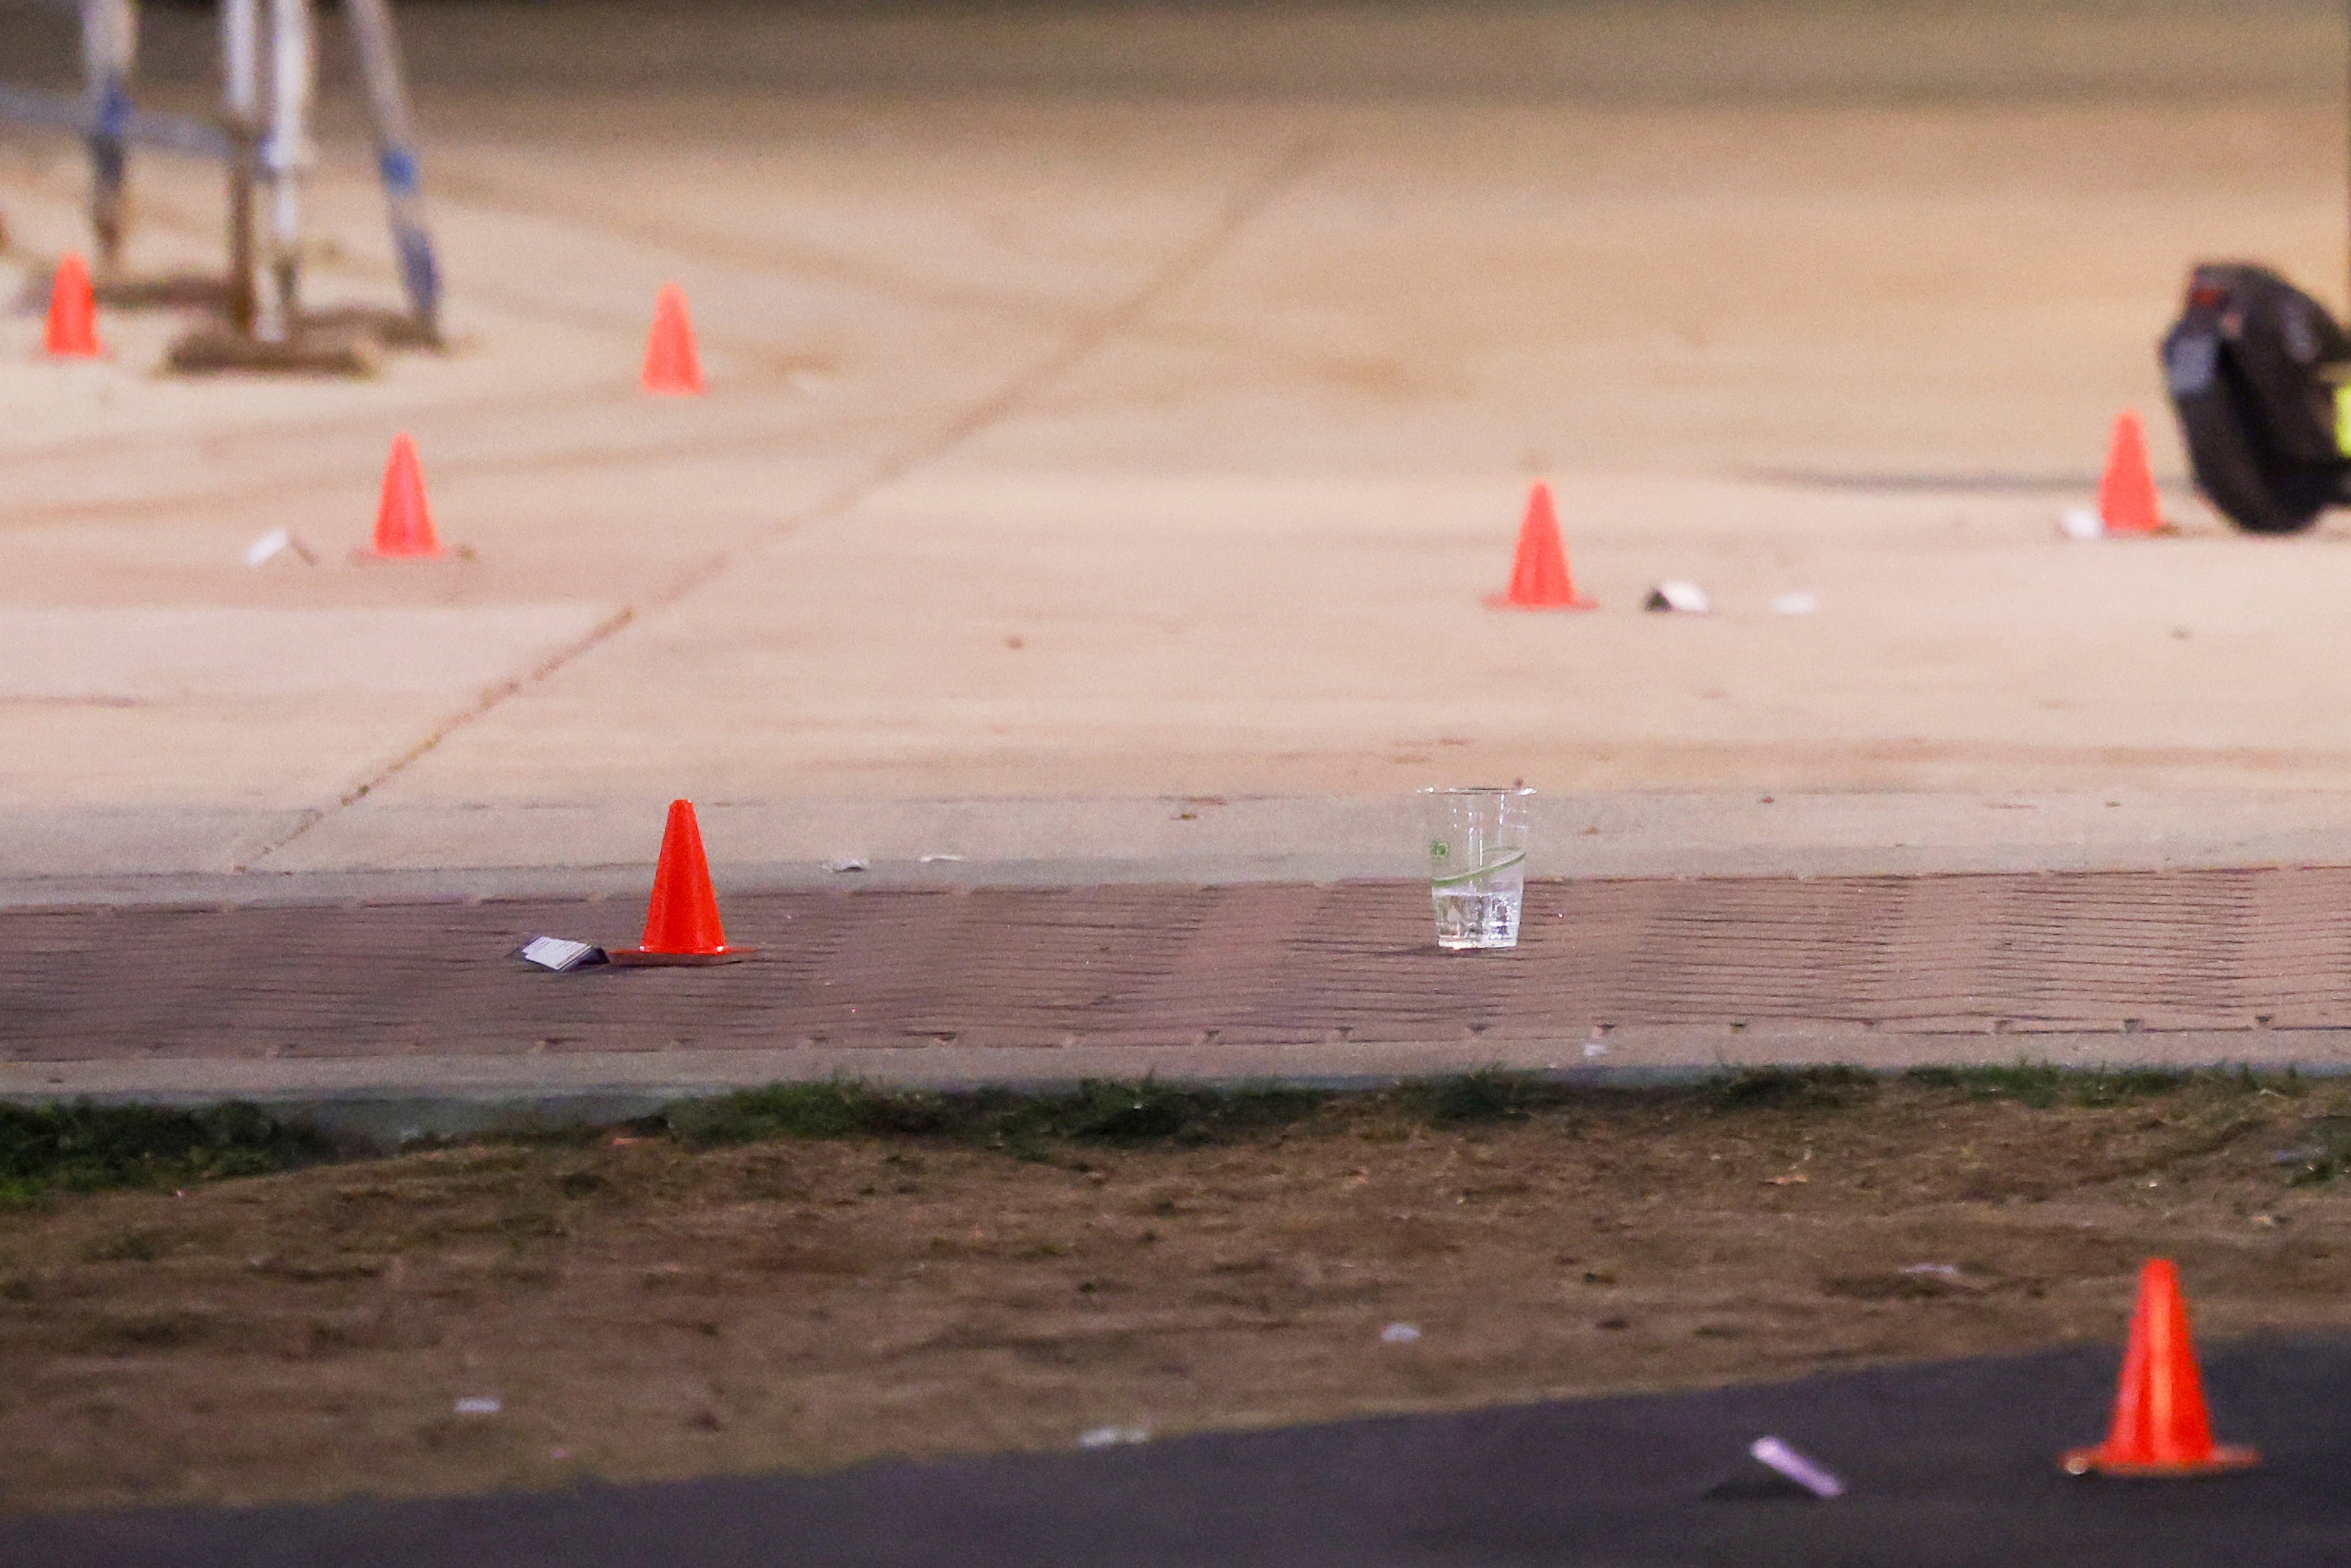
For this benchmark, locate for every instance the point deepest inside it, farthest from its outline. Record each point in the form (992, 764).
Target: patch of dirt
(640, 1308)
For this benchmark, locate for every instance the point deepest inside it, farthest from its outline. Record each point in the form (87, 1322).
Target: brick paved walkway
(2262, 952)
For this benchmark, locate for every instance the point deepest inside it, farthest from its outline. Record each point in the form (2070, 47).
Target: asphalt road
(1948, 1465)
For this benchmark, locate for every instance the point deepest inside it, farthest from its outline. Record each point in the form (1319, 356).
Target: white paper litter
(1798, 603)
(1688, 598)
(1819, 1483)
(555, 953)
(1111, 1436)
(2082, 523)
(1399, 1334)
(846, 864)
(275, 543)
(479, 1405)
(936, 859)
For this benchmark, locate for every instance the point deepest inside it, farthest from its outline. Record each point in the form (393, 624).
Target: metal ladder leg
(110, 47)
(293, 77)
(241, 109)
(395, 141)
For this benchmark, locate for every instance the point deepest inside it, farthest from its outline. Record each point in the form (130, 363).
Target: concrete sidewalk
(1119, 444)
(1114, 431)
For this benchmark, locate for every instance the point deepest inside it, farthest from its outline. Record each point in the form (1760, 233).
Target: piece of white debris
(275, 543)
(846, 864)
(1943, 1271)
(1688, 598)
(1812, 1478)
(2082, 523)
(479, 1405)
(1798, 604)
(1593, 1050)
(1399, 1334)
(936, 859)
(559, 953)
(1112, 1436)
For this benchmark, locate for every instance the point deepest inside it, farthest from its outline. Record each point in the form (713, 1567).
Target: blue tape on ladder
(420, 274)
(113, 119)
(399, 171)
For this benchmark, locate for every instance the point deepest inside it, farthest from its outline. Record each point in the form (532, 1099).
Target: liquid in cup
(1477, 864)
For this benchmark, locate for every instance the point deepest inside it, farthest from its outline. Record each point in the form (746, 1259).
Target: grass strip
(82, 1147)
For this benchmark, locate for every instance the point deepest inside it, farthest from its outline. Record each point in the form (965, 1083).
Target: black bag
(2251, 366)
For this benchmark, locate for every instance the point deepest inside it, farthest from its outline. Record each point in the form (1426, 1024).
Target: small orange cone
(1539, 579)
(671, 367)
(73, 313)
(681, 922)
(403, 521)
(2128, 503)
(2160, 1425)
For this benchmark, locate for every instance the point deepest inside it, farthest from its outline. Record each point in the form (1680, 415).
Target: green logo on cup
(1437, 849)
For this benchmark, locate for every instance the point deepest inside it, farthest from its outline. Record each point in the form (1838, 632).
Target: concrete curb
(406, 854)
(385, 1101)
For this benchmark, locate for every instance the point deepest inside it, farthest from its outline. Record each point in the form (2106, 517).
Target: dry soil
(641, 1308)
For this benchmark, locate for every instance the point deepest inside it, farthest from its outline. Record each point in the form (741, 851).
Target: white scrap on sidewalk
(275, 543)
(557, 954)
(2082, 523)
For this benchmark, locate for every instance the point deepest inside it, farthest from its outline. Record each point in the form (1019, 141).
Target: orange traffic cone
(671, 367)
(681, 922)
(403, 522)
(1539, 579)
(73, 314)
(2160, 1425)
(2128, 503)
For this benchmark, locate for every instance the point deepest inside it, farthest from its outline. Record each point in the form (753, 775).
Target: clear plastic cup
(1477, 864)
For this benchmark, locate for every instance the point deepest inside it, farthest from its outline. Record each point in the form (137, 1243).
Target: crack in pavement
(1240, 210)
